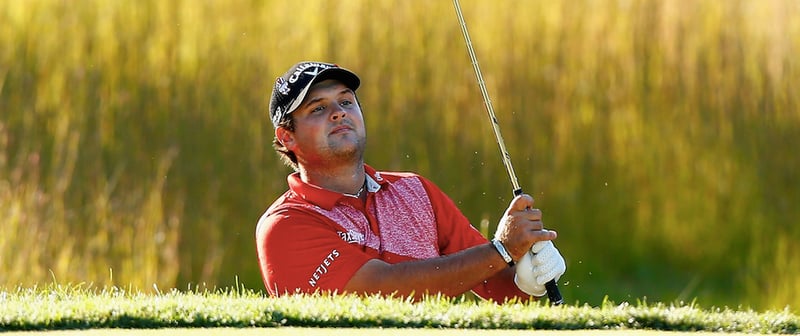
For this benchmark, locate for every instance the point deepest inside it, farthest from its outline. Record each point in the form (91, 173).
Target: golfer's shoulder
(287, 206)
(407, 178)
(285, 214)
(392, 176)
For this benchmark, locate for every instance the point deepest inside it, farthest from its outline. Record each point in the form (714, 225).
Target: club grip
(552, 288)
(553, 293)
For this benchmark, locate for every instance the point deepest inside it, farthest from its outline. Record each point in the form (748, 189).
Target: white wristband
(503, 252)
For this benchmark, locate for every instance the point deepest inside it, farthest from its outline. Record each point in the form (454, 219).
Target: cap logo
(282, 86)
(313, 72)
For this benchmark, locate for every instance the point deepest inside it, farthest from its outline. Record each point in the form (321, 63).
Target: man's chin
(348, 146)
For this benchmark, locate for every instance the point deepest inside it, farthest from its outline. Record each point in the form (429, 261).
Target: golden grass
(658, 137)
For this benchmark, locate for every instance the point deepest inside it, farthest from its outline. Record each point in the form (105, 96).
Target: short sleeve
(300, 252)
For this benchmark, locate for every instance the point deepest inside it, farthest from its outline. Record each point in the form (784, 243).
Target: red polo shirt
(312, 239)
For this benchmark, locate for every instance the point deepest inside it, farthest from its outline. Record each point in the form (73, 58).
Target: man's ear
(285, 137)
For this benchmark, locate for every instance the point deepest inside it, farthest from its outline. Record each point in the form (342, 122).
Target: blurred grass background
(659, 137)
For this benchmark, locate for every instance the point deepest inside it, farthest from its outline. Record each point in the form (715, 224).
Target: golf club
(552, 288)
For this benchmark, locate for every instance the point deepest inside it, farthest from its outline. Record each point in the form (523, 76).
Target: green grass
(294, 331)
(58, 307)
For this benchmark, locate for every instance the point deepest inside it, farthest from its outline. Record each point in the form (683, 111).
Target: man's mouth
(341, 128)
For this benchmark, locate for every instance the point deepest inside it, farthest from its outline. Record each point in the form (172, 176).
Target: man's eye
(346, 103)
(318, 108)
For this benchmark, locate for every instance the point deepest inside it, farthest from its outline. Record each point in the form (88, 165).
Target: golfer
(344, 227)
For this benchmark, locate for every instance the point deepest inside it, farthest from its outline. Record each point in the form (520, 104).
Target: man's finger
(537, 225)
(544, 234)
(521, 202)
(533, 214)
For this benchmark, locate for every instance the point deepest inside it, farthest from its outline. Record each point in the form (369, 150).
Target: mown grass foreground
(80, 307)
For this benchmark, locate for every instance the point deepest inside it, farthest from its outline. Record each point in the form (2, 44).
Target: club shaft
(488, 102)
(552, 288)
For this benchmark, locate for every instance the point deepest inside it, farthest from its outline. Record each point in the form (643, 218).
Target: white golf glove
(540, 265)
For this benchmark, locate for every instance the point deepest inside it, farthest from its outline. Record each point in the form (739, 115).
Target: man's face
(328, 126)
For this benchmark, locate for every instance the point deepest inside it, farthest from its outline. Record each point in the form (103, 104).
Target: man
(343, 227)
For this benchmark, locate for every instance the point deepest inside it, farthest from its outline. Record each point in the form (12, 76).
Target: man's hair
(288, 157)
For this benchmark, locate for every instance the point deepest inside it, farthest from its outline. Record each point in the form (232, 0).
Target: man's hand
(521, 227)
(542, 264)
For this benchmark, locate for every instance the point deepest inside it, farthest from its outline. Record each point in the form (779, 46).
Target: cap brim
(345, 76)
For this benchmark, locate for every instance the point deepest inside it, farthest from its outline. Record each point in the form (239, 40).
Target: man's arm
(459, 272)
(450, 275)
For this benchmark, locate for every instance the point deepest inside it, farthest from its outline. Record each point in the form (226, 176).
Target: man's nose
(337, 113)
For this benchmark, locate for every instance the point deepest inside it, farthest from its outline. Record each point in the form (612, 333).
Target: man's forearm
(450, 275)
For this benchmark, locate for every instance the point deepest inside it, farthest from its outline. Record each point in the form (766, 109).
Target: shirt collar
(325, 198)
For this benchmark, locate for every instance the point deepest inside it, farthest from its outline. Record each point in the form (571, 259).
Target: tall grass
(658, 137)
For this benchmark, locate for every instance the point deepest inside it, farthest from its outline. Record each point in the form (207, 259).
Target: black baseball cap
(291, 88)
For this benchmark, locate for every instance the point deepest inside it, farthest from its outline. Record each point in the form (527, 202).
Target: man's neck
(346, 179)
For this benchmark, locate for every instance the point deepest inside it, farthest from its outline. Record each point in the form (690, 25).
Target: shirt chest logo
(352, 237)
